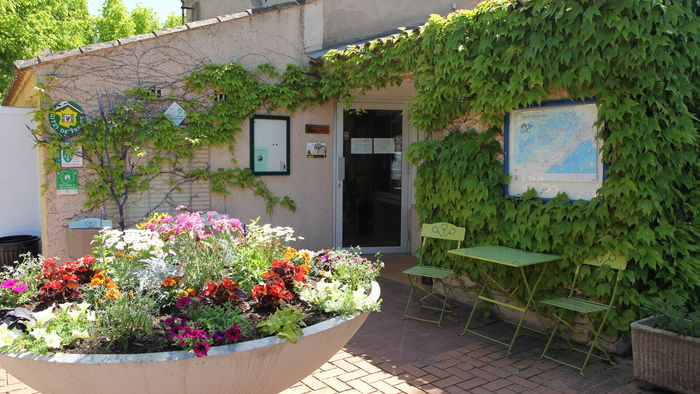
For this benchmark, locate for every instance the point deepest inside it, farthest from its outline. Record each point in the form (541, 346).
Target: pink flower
(8, 284)
(233, 334)
(201, 348)
(20, 288)
(180, 207)
(183, 302)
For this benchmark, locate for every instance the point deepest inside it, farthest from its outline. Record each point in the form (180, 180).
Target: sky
(162, 7)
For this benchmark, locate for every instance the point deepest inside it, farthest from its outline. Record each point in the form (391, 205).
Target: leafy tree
(173, 19)
(145, 20)
(30, 26)
(114, 22)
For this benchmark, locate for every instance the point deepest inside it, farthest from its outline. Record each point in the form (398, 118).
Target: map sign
(554, 149)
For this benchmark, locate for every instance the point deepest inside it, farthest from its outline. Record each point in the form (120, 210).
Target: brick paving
(391, 355)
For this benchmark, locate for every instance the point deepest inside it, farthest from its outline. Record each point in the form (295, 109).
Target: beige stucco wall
(348, 20)
(274, 37)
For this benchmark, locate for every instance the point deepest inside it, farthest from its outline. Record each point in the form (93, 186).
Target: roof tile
(139, 37)
(169, 30)
(98, 46)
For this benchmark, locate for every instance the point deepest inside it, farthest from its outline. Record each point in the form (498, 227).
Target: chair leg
(551, 337)
(410, 296)
(594, 343)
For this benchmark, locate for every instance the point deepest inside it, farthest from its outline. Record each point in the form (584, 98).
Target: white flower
(43, 317)
(7, 336)
(53, 340)
(83, 306)
(75, 314)
(38, 332)
(90, 316)
(80, 334)
(65, 306)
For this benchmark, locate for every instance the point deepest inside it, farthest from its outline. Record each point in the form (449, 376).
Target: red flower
(201, 348)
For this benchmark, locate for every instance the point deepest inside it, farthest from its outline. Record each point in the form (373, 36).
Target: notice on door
(361, 146)
(384, 145)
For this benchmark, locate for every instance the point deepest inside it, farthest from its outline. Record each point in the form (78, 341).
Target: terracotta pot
(664, 358)
(266, 365)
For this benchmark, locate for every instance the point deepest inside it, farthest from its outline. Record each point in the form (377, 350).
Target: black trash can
(14, 245)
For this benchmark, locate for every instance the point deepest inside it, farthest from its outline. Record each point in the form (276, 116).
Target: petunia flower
(53, 340)
(201, 348)
(43, 317)
(20, 288)
(8, 284)
(183, 302)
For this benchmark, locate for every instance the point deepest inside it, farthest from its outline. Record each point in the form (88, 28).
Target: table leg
(478, 297)
(530, 297)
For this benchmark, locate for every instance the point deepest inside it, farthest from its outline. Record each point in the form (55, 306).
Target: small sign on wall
(269, 145)
(74, 159)
(316, 149)
(66, 182)
(318, 129)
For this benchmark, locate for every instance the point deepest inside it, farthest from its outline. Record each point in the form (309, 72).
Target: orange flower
(182, 294)
(306, 256)
(96, 281)
(291, 252)
(113, 294)
(112, 285)
(167, 282)
(129, 256)
(191, 292)
(73, 285)
(305, 268)
(119, 254)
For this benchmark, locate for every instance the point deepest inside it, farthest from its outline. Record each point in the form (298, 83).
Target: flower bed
(186, 282)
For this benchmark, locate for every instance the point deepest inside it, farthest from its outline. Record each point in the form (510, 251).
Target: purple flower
(183, 302)
(169, 321)
(20, 288)
(8, 284)
(201, 348)
(218, 336)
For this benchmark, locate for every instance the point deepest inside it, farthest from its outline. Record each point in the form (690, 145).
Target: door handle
(341, 168)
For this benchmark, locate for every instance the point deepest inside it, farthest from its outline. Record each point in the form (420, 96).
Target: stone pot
(665, 359)
(266, 365)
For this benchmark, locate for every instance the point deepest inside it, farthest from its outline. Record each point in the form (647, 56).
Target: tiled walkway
(391, 355)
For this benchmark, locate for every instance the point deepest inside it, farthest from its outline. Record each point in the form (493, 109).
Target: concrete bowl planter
(665, 359)
(266, 365)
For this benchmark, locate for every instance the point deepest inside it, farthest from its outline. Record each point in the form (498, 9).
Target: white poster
(361, 146)
(384, 145)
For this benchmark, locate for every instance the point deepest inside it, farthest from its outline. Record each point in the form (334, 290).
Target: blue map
(555, 144)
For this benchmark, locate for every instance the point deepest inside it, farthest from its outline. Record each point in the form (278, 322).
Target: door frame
(339, 174)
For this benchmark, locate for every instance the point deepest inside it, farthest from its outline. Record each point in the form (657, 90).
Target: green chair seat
(576, 304)
(429, 272)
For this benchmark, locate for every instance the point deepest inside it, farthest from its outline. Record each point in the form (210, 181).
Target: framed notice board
(269, 145)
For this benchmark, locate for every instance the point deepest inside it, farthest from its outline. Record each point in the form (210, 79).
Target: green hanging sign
(66, 117)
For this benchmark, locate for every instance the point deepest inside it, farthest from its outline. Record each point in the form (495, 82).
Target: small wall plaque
(318, 129)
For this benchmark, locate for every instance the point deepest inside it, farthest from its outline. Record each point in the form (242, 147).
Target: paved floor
(391, 355)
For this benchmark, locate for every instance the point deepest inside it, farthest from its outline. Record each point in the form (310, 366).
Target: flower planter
(664, 358)
(266, 365)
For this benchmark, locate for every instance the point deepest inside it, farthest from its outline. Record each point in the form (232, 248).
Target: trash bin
(14, 245)
(80, 234)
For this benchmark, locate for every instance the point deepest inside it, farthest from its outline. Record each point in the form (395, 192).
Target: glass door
(371, 197)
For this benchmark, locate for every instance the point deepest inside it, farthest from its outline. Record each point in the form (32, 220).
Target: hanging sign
(67, 182)
(72, 160)
(175, 113)
(66, 117)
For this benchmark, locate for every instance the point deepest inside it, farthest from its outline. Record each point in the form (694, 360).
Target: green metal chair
(586, 308)
(444, 231)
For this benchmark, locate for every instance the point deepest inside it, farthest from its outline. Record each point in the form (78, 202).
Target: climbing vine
(638, 59)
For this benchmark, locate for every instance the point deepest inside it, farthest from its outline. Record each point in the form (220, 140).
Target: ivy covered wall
(637, 58)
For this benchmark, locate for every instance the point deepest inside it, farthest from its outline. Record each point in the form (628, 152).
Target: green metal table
(510, 257)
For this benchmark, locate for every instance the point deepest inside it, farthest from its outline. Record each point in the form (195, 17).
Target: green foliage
(286, 323)
(125, 318)
(172, 19)
(30, 26)
(145, 20)
(115, 21)
(673, 314)
(220, 317)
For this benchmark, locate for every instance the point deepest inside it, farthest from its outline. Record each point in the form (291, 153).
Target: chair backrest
(612, 260)
(442, 230)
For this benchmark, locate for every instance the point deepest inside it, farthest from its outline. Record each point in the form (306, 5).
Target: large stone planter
(266, 365)
(664, 358)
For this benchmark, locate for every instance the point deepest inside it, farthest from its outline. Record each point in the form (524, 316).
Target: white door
(372, 187)
(19, 180)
